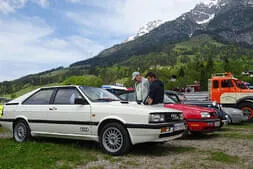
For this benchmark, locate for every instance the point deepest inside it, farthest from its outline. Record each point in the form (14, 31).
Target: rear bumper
(203, 125)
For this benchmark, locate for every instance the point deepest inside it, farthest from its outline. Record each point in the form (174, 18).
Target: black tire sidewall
(246, 104)
(126, 140)
(27, 130)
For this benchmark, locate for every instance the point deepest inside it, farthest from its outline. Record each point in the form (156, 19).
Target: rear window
(41, 97)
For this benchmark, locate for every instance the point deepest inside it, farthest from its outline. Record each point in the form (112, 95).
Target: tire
(247, 106)
(114, 139)
(21, 131)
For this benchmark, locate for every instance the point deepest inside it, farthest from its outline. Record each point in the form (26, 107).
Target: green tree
(87, 80)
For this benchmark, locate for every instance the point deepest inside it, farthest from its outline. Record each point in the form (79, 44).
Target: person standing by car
(141, 87)
(156, 89)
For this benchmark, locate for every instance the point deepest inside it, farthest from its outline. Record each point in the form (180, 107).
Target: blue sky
(37, 35)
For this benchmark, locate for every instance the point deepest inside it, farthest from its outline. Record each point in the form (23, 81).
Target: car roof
(64, 86)
(114, 87)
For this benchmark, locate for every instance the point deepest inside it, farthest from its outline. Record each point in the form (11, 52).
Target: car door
(35, 109)
(67, 117)
(228, 94)
(215, 89)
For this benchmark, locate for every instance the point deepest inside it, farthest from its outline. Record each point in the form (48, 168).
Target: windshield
(240, 84)
(168, 100)
(98, 94)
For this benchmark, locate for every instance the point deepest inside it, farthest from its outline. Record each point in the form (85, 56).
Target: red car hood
(189, 111)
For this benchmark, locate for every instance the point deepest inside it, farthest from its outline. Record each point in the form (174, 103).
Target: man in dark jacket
(156, 89)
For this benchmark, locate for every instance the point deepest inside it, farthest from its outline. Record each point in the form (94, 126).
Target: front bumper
(161, 132)
(225, 122)
(203, 125)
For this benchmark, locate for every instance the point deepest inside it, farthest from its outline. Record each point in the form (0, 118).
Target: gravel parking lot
(230, 148)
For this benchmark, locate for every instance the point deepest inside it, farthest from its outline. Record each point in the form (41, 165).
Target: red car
(199, 119)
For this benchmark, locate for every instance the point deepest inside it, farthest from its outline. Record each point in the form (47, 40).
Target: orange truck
(230, 92)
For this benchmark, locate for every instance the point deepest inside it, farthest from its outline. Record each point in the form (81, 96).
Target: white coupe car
(88, 113)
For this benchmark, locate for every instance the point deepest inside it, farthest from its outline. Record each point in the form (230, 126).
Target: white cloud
(9, 6)
(42, 3)
(127, 16)
(29, 45)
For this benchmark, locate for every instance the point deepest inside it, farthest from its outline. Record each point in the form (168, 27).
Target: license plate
(179, 126)
(217, 123)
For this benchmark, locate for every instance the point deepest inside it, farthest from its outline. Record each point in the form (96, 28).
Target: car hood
(128, 112)
(184, 107)
(189, 111)
(136, 107)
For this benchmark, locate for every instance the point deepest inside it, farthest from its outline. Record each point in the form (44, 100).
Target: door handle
(52, 108)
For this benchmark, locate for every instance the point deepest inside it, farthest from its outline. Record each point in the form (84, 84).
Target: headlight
(205, 115)
(156, 118)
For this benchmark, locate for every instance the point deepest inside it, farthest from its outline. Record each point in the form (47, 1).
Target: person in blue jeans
(156, 89)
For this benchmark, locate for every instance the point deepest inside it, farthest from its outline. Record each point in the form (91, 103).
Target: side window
(66, 96)
(41, 97)
(226, 84)
(132, 96)
(215, 84)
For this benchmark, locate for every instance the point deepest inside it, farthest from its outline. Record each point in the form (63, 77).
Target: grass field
(219, 150)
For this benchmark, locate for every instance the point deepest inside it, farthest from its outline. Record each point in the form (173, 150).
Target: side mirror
(80, 101)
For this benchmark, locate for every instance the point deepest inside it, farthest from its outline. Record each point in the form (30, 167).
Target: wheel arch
(20, 118)
(111, 120)
(245, 99)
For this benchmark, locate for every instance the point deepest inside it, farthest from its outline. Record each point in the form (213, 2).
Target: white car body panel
(83, 121)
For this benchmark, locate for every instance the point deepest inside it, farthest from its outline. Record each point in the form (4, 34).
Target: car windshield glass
(98, 94)
(168, 100)
(240, 84)
(130, 96)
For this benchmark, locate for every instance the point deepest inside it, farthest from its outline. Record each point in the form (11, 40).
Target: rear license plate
(217, 123)
(179, 126)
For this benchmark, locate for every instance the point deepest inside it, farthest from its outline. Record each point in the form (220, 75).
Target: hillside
(228, 21)
(193, 59)
(213, 37)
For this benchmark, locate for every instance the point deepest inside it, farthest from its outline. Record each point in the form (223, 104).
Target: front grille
(170, 117)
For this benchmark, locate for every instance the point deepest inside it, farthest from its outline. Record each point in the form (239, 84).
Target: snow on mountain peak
(210, 3)
(146, 29)
(206, 20)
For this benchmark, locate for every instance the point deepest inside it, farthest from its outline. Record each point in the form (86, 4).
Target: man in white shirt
(141, 87)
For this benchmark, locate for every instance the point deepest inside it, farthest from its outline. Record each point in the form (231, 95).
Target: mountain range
(229, 21)
(216, 35)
